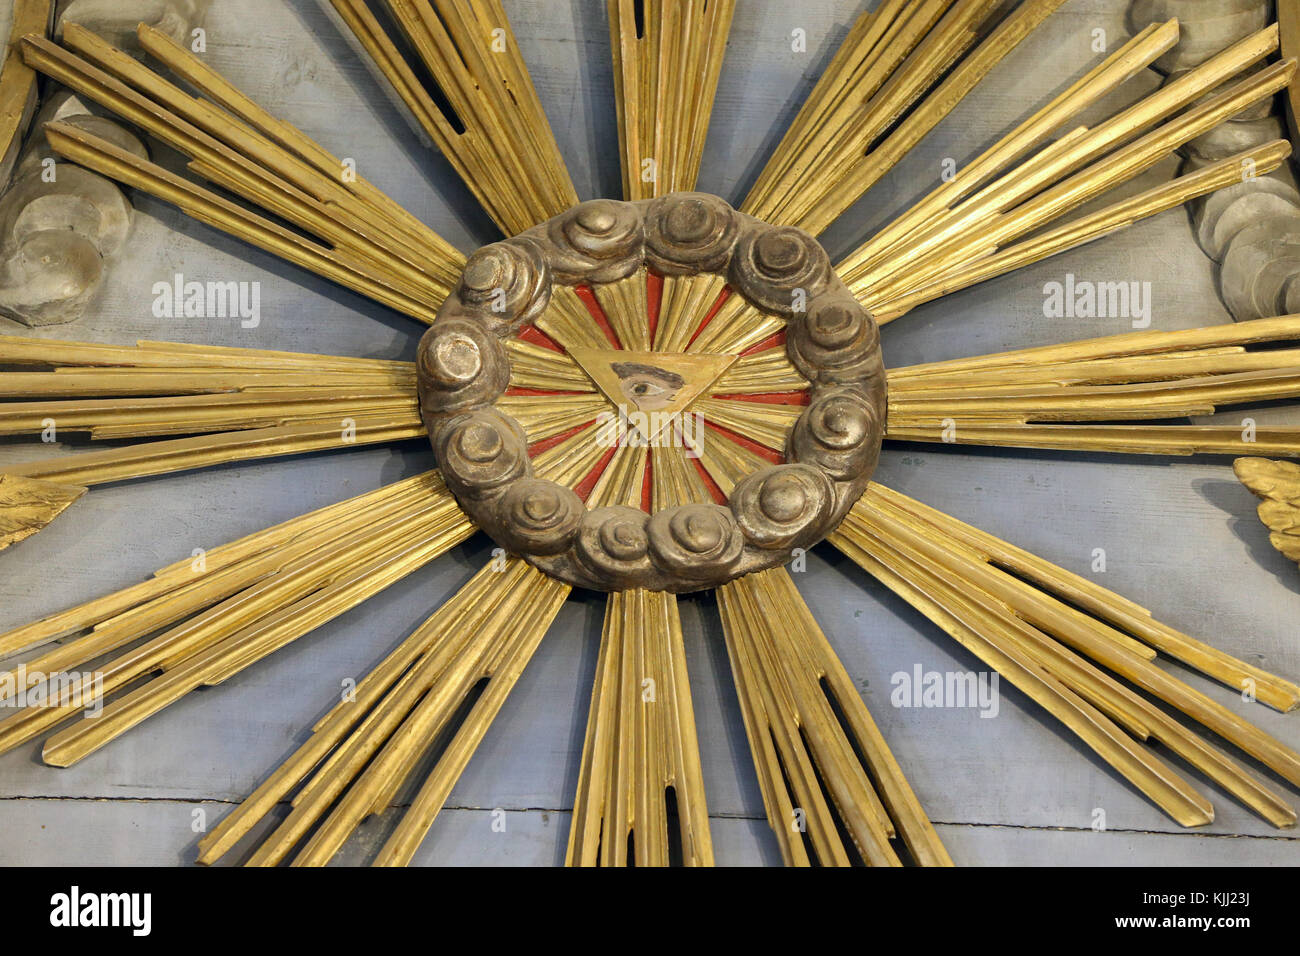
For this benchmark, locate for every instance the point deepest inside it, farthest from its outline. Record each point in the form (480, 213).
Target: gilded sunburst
(649, 397)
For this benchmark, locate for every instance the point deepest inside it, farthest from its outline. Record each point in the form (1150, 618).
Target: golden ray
(761, 372)
(987, 223)
(1278, 484)
(1020, 624)
(1069, 172)
(1043, 397)
(536, 366)
(736, 327)
(248, 390)
(294, 599)
(674, 479)
(623, 478)
(194, 414)
(725, 460)
(368, 746)
(665, 81)
(684, 303)
(237, 404)
(358, 232)
(203, 619)
(497, 136)
(1120, 67)
(20, 89)
(641, 745)
(1260, 160)
(1117, 439)
(145, 354)
(1122, 616)
(189, 571)
(764, 423)
(165, 384)
(211, 209)
(888, 62)
(203, 451)
(821, 759)
(1233, 336)
(568, 321)
(625, 305)
(556, 415)
(572, 459)
(211, 84)
(497, 655)
(814, 209)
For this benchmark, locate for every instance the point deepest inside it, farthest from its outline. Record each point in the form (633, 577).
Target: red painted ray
(585, 487)
(654, 290)
(772, 341)
(647, 485)
(722, 297)
(593, 306)
(537, 447)
(709, 483)
(771, 454)
(769, 398)
(535, 336)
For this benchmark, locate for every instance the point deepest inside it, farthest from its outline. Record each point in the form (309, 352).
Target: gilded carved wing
(1278, 483)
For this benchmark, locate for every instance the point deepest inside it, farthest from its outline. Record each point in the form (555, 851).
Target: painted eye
(645, 389)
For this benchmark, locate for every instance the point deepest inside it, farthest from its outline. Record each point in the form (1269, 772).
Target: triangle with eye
(651, 389)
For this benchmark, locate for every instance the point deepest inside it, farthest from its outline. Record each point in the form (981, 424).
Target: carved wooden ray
(823, 766)
(247, 601)
(364, 750)
(849, 133)
(233, 404)
(667, 61)
(1060, 177)
(360, 240)
(18, 82)
(493, 129)
(1040, 627)
(641, 761)
(1074, 396)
